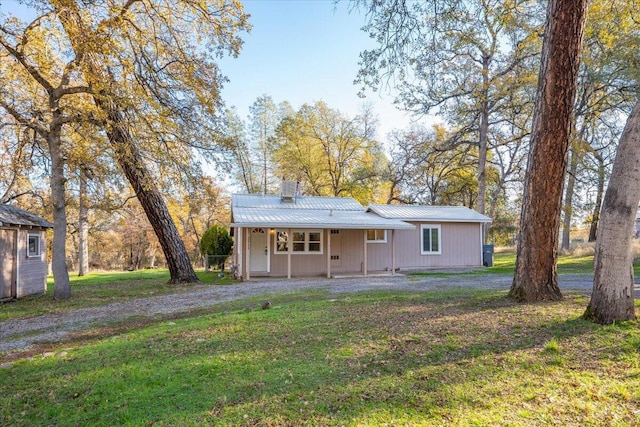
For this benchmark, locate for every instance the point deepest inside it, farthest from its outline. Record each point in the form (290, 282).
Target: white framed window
(430, 239)
(376, 236)
(302, 241)
(33, 245)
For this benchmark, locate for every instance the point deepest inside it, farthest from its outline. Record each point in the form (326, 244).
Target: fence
(216, 263)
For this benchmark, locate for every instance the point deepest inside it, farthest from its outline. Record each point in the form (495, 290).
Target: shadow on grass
(374, 358)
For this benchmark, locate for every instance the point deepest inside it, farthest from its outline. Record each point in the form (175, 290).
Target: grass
(504, 263)
(459, 357)
(102, 288)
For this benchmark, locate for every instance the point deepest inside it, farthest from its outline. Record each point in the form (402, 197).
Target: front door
(259, 250)
(7, 263)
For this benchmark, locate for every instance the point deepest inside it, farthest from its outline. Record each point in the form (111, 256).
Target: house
(23, 260)
(292, 235)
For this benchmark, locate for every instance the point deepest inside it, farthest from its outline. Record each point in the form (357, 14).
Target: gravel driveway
(20, 334)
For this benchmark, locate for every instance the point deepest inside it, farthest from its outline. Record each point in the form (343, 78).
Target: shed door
(7, 263)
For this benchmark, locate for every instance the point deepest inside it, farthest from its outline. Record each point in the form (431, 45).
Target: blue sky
(303, 51)
(299, 51)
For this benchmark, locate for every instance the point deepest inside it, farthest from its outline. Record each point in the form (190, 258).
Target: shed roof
(429, 213)
(11, 215)
(307, 212)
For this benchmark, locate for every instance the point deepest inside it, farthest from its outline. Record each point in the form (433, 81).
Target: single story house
(294, 235)
(23, 258)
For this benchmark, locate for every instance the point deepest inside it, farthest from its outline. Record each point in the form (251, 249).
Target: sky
(300, 51)
(303, 51)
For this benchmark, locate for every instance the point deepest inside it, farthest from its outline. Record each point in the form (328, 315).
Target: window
(430, 239)
(302, 241)
(33, 245)
(376, 236)
(282, 240)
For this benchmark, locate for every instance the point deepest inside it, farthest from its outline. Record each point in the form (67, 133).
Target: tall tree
(329, 153)
(159, 65)
(36, 90)
(263, 120)
(536, 275)
(613, 285)
(235, 140)
(423, 170)
(462, 60)
(606, 94)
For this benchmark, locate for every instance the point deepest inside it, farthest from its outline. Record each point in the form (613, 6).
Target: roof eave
(327, 226)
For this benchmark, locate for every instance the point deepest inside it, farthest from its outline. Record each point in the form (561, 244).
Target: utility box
(487, 255)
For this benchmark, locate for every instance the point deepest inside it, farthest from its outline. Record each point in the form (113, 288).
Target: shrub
(216, 242)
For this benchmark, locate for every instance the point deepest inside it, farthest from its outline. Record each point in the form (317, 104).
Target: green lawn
(462, 357)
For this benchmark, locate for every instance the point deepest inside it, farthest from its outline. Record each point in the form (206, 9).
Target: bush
(216, 242)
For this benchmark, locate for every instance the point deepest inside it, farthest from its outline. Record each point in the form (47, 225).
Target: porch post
(247, 249)
(289, 250)
(328, 246)
(393, 252)
(239, 249)
(364, 264)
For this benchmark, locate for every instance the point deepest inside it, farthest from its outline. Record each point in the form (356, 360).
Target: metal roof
(307, 212)
(429, 213)
(268, 201)
(10, 215)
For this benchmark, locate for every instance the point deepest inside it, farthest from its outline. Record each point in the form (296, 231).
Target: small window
(430, 239)
(33, 245)
(303, 241)
(376, 236)
(335, 231)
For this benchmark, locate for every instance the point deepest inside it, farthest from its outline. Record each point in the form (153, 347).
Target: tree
(330, 154)
(36, 90)
(161, 72)
(607, 91)
(423, 170)
(536, 275)
(216, 242)
(460, 60)
(263, 119)
(613, 285)
(234, 139)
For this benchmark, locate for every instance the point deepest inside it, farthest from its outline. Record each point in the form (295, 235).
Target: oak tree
(536, 276)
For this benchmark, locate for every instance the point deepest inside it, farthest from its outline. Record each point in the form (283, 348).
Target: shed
(23, 258)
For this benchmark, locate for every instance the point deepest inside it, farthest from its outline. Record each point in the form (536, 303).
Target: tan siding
(32, 272)
(460, 247)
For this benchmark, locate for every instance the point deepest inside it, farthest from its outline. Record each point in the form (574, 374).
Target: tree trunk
(536, 276)
(568, 201)
(483, 144)
(595, 216)
(130, 160)
(126, 151)
(83, 226)
(62, 286)
(613, 288)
